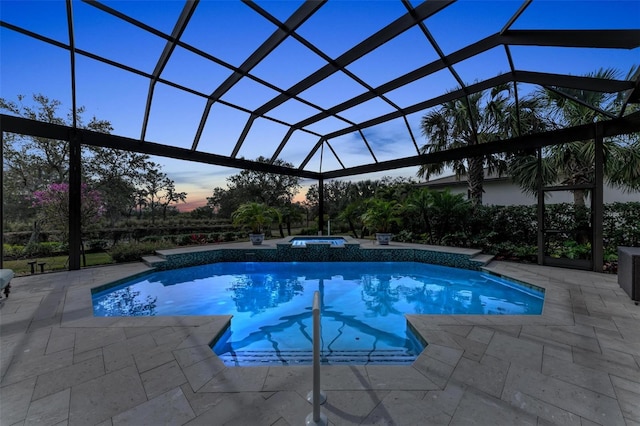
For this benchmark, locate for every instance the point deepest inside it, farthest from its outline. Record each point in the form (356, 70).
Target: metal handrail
(316, 396)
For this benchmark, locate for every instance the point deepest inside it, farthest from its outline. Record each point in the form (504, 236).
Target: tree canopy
(574, 163)
(32, 165)
(479, 118)
(272, 189)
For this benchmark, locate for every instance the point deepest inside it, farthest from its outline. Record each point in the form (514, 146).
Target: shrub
(97, 244)
(46, 249)
(17, 238)
(526, 252)
(151, 239)
(404, 236)
(171, 239)
(229, 236)
(31, 249)
(198, 239)
(308, 231)
(13, 250)
(183, 240)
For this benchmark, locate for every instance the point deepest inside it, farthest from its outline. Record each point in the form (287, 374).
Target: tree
(117, 174)
(449, 211)
(269, 188)
(258, 217)
(352, 214)
(53, 204)
(153, 185)
(573, 163)
(420, 202)
(53, 207)
(32, 163)
(290, 213)
(395, 189)
(474, 120)
(171, 196)
(380, 215)
(202, 212)
(253, 186)
(40, 160)
(337, 194)
(159, 191)
(139, 201)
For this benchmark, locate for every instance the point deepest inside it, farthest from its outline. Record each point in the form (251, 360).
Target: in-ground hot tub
(303, 241)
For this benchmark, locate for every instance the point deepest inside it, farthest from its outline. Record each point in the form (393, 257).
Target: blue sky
(231, 31)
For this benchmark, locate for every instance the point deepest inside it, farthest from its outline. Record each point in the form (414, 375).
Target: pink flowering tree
(53, 206)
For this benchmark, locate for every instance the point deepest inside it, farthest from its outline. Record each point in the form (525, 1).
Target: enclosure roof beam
(514, 37)
(298, 18)
(169, 47)
(599, 39)
(456, 94)
(542, 79)
(24, 126)
(403, 23)
(580, 101)
(591, 84)
(618, 126)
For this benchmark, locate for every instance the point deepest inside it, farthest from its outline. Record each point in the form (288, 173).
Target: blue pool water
(363, 305)
(302, 241)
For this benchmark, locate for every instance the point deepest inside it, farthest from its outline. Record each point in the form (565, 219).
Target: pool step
(482, 259)
(153, 261)
(388, 357)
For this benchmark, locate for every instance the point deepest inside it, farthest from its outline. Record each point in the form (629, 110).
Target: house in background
(502, 191)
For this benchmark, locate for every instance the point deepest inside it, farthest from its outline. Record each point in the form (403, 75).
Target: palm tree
(420, 203)
(352, 214)
(258, 217)
(290, 213)
(471, 121)
(573, 163)
(380, 215)
(449, 212)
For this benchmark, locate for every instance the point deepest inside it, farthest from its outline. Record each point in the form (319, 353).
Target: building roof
(453, 180)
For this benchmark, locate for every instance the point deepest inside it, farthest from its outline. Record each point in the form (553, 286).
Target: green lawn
(54, 263)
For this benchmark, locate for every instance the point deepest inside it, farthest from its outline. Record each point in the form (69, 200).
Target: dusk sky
(231, 31)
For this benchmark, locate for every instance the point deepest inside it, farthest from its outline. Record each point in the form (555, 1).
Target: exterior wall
(505, 193)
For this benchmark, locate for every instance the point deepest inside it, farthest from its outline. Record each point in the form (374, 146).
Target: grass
(60, 263)
(54, 263)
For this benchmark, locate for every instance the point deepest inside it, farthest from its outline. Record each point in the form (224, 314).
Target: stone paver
(106, 396)
(153, 412)
(558, 393)
(576, 364)
(476, 408)
(162, 378)
(405, 407)
(51, 409)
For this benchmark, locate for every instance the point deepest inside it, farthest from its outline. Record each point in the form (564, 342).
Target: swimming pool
(363, 305)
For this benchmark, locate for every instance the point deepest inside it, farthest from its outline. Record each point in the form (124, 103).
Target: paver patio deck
(578, 364)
